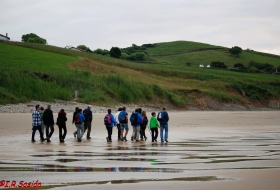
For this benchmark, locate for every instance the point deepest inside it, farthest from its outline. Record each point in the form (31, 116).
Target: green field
(42, 72)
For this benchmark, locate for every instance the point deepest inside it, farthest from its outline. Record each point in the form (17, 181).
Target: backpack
(107, 120)
(86, 114)
(160, 116)
(122, 117)
(78, 119)
(145, 121)
(134, 119)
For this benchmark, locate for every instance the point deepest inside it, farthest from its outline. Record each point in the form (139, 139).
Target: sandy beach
(206, 150)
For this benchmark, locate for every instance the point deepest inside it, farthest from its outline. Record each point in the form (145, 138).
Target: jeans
(35, 128)
(60, 127)
(124, 126)
(87, 126)
(110, 131)
(80, 130)
(49, 134)
(165, 128)
(43, 128)
(136, 132)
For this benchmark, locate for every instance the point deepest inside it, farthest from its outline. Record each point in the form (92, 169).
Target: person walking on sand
(163, 119)
(143, 126)
(37, 123)
(61, 122)
(118, 123)
(73, 120)
(49, 122)
(110, 122)
(123, 119)
(136, 120)
(79, 122)
(42, 113)
(88, 119)
(154, 127)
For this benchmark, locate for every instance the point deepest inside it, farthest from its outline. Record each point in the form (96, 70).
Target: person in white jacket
(118, 123)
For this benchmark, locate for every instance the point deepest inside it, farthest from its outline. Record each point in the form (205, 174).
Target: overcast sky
(253, 24)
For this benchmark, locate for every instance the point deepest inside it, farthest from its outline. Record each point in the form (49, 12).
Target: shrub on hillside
(139, 56)
(101, 51)
(115, 52)
(239, 66)
(235, 51)
(267, 68)
(218, 64)
(33, 38)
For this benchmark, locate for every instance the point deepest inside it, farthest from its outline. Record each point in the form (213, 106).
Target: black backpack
(86, 114)
(145, 121)
(134, 119)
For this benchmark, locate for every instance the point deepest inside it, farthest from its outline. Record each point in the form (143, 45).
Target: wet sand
(207, 150)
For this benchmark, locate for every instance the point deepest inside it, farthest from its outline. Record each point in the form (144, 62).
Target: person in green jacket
(154, 127)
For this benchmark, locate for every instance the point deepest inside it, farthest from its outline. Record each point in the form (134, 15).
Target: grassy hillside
(40, 72)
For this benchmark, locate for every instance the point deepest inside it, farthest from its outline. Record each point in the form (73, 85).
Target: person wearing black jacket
(61, 122)
(88, 119)
(163, 119)
(143, 126)
(48, 122)
(73, 120)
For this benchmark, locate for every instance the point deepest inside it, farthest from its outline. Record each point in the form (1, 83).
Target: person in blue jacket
(79, 122)
(110, 122)
(136, 120)
(163, 119)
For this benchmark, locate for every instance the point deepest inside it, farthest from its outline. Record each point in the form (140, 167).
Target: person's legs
(43, 128)
(64, 132)
(82, 130)
(161, 133)
(78, 131)
(126, 131)
(89, 129)
(52, 130)
(153, 133)
(141, 133)
(33, 133)
(85, 126)
(137, 133)
(156, 135)
(110, 133)
(47, 131)
(166, 133)
(60, 132)
(144, 134)
(41, 133)
(133, 133)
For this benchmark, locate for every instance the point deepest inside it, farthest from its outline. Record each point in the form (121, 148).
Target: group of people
(43, 120)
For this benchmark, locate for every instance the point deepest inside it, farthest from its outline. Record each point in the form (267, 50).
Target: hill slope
(39, 72)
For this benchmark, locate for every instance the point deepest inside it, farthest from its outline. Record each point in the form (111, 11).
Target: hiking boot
(79, 140)
(124, 139)
(74, 134)
(107, 139)
(62, 141)
(166, 140)
(131, 138)
(42, 140)
(137, 140)
(33, 141)
(48, 140)
(88, 137)
(156, 140)
(145, 138)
